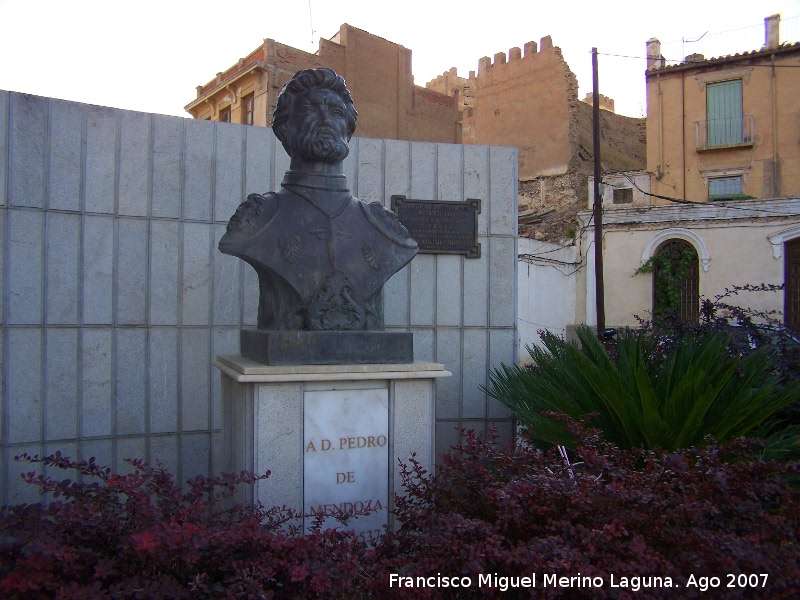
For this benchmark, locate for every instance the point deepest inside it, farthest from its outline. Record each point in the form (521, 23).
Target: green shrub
(696, 389)
(671, 264)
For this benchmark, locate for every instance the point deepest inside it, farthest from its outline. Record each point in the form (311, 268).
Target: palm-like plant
(699, 389)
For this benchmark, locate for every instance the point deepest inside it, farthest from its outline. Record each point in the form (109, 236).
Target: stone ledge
(326, 347)
(245, 370)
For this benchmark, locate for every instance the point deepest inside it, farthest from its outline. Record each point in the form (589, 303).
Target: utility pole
(600, 306)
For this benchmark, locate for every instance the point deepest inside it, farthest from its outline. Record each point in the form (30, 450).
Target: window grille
(724, 188)
(666, 282)
(623, 196)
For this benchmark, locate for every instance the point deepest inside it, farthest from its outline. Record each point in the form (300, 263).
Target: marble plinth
(326, 347)
(331, 435)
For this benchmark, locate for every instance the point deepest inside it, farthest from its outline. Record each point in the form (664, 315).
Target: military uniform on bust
(322, 256)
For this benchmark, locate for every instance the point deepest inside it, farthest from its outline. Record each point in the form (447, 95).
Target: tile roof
(719, 60)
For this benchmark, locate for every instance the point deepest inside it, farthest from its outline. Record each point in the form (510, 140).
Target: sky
(151, 55)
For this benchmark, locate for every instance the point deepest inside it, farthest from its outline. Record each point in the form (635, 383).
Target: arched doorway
(791, 292)
(676, 280)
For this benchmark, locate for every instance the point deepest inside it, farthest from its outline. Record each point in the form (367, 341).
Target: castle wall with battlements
(521, 98)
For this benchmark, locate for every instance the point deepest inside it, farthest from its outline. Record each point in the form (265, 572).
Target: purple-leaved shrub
(654, 518)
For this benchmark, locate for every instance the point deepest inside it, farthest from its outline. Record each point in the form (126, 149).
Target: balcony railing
(725, 133)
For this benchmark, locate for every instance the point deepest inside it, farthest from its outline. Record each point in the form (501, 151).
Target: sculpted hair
(305, 80)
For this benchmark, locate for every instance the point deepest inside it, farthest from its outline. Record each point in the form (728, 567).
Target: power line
(683, 40)
(311, 23)
(549, 260)
(556, 249)
(693, 202)
(670, 60)
(623, 56)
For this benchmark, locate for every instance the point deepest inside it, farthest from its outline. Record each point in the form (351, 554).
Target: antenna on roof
(683, 41)
(311, 23)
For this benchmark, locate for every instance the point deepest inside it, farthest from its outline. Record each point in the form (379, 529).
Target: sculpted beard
(324, 147)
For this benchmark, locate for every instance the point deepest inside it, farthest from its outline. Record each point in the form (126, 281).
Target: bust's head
(315, 116)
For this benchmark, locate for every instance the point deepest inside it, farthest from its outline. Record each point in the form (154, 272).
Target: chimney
(654, 58)
(772, 36)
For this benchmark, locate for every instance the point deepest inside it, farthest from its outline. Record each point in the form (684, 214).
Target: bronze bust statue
(322, 256)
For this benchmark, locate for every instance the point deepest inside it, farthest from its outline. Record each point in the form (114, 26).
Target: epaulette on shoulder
(387, 223)
(252, 210)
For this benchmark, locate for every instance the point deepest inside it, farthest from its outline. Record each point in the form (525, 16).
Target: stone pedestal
(331, 435)
(326, 347)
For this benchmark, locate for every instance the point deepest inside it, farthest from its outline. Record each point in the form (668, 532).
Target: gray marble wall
(114, 299)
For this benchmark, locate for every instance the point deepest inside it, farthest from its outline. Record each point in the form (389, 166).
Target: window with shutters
(726, 124)
(248, 109)
(724, 113)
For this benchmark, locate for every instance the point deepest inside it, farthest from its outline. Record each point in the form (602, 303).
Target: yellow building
(525, 98)
(378, 74)
(725, 128)
(723, 156)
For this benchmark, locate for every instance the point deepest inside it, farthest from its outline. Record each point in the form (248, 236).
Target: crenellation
(606, 103)
(450, 84)
(495, 102)
(501, 58)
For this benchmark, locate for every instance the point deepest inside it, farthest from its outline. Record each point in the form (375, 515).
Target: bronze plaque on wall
(441, 227)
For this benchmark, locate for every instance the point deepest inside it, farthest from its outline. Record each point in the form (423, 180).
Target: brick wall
(114, 298)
